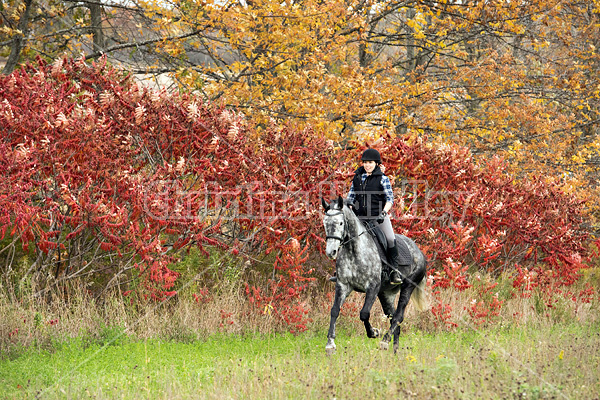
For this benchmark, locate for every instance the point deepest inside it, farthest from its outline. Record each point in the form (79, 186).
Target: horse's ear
(325, 205)
(340, 202)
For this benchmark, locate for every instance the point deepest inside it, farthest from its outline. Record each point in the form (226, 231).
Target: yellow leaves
(413, 24)
(515, 147)
(173, 48)
(6, 30)
(577, 159)
(514, 27)
(417, 24)
(540, 45)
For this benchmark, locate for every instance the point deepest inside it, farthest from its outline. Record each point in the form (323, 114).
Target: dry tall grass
(30, 320)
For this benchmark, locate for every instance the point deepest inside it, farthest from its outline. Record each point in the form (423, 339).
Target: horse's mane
(355, 227)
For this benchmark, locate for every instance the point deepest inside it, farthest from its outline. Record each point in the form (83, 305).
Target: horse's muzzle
(332, 254)
(332, 251)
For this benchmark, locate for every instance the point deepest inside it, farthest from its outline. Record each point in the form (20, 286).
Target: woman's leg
(388, 231)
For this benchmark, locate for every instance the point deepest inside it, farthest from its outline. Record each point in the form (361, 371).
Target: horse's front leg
(365, 313)
(341, 292)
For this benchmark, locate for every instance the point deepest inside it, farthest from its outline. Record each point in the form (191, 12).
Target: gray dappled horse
(359, 268)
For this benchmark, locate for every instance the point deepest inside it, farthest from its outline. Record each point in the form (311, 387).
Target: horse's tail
(419, 296)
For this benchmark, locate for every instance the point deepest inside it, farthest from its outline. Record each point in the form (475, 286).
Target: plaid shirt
(387, 189)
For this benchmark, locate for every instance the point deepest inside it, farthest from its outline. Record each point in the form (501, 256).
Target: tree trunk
(96, 26)
(18, 40)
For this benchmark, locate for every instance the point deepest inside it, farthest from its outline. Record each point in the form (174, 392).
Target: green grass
(561, 361)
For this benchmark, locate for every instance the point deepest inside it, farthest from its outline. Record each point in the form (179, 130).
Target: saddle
(379, 237)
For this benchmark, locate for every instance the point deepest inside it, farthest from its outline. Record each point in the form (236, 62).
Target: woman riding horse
(371, 197)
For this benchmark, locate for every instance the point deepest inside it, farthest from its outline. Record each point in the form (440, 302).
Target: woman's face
(369, 166)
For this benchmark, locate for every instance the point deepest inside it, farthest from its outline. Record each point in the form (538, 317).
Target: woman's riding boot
(395, 277)
(334, 277)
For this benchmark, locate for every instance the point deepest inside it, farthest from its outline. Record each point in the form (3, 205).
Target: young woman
(371, 197)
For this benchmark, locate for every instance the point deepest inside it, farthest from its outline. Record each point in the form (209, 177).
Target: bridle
(341, 239)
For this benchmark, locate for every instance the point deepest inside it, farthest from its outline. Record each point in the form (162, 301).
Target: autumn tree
(55, 28)
(517, 81)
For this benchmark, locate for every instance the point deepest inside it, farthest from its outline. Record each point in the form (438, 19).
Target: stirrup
(395, 278)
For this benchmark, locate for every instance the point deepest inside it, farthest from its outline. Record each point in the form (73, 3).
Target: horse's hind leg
(365, 313)
(406, 290)
(396, 339)
(341, 292)
(405, 293)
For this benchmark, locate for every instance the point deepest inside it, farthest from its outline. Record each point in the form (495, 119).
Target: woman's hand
(381, 217)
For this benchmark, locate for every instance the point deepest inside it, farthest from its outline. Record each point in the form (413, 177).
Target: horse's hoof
(330, 350)
(384, 345)
(376, 333)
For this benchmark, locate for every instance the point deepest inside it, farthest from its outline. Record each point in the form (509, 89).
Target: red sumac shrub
(284, 296)
(105, 178)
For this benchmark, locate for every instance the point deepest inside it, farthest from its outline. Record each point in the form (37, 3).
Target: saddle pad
(403, 252)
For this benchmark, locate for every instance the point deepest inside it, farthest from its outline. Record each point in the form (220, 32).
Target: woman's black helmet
(371, 155)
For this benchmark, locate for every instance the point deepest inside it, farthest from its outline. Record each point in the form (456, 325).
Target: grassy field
(555, 362)
(78, 347)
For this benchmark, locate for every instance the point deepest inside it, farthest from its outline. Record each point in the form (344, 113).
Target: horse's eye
(341, 223)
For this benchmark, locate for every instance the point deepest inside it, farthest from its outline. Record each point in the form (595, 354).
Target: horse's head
(335, 226)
